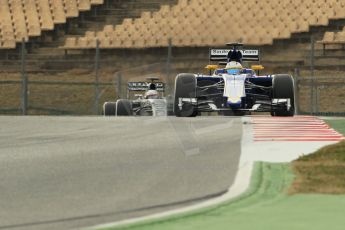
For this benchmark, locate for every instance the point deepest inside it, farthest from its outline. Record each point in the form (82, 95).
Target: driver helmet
(233, 67)
(152, 94)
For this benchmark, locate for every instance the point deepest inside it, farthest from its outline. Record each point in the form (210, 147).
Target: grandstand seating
(333, 38)
(188, 23)
(205, 23)
(22, 19)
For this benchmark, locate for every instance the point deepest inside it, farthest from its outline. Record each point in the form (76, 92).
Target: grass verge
(324, 170)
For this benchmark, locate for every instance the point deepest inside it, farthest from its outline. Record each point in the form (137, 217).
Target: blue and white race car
(234, 90)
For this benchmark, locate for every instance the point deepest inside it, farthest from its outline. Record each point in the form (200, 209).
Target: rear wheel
(283, 88)
(185, 87)
(109, 108)
(124, 107)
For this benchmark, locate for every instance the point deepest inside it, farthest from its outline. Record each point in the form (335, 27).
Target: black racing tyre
(109, 108)
(185, 87)
(124, 107)
(283, 87)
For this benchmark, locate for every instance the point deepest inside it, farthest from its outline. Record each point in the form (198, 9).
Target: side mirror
(211, 68)
(257, 67)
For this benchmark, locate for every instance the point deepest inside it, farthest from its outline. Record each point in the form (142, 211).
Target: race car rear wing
(220, 55)
(143, 86)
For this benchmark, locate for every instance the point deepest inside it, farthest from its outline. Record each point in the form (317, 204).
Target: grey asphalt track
(74, 172)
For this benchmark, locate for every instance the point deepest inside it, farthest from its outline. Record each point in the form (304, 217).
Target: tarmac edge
(240, 187)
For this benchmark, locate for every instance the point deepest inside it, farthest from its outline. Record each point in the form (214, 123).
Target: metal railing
(83, 90)
(76, 91)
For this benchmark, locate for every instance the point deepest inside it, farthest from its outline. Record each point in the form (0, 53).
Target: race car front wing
(200, 105)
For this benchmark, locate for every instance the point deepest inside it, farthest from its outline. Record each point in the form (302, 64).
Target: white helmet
(233, 65)
(152, 94)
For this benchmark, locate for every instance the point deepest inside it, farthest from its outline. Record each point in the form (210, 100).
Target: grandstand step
(330, 60)
(333, 67)
(330, 53)
(113, 13)
(286, 53)
(292, 63)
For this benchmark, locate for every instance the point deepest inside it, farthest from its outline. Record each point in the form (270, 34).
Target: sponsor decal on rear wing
(221, 55)
(143, 86)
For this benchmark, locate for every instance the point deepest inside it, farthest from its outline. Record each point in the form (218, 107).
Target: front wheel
(124, 107)
(185, 87)
(283, 88)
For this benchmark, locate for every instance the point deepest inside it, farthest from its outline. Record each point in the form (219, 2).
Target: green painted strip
(266, 205)
(337, 124)
(325, 114)
(259, 185)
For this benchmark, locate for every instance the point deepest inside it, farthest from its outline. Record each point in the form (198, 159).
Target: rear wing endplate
(220, 55)
(143, 86)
